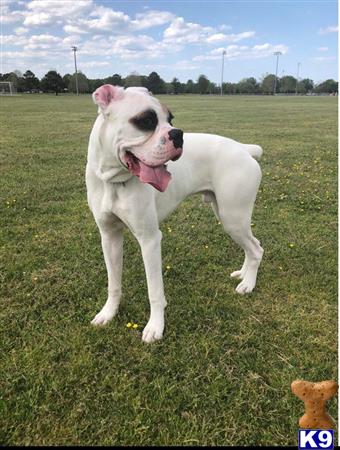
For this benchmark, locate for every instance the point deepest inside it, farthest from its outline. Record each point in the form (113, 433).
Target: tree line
(52, 81)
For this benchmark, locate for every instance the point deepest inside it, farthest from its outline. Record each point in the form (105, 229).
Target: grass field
(222, 374)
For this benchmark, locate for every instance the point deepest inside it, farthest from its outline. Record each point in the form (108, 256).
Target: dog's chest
(109, 197)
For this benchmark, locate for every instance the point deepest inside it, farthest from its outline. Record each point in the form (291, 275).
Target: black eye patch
(145, 121)
(170, 117)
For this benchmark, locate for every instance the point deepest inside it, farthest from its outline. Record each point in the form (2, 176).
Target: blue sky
(175, 38)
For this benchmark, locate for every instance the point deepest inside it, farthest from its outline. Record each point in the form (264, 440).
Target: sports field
(222, 374)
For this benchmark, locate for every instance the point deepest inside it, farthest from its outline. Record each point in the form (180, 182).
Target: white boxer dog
(134, 180)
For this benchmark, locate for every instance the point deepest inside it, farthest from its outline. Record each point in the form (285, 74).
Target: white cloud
(74, 29)
(21, 30)
(185, 65)
(60, 6)
(86, 23)
(106, 20)
(327, 30)
(231, 52)
(179, 65)
(80, 16)
(242, 52)
(7, 15)
(25, 54)
(43, 42)
(72, 40)
(323, 49)
(220, 37)
(181, 32)
(44, 12)
(94, 64)
(39, 41)
(151, 19)
(323, 59)
(116, 22)
(11, 39)
(265, 50)
(126, 47)
(38, 19)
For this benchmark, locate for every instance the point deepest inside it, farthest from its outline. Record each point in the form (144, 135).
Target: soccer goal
(7, 88)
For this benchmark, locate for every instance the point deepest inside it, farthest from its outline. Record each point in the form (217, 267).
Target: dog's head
(143, 131)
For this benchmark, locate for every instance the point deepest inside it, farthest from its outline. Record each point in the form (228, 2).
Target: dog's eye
(146, 121)
(170, 117)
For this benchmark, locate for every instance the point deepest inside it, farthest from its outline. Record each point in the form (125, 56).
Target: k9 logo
(318, 439)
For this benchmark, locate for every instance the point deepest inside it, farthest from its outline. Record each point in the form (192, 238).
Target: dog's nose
(176, 136)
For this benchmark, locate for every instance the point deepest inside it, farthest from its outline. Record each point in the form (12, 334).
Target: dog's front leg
(112, 244)
(151, 252)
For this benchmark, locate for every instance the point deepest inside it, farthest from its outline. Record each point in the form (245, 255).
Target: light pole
(74, 48)
(277, 54)
(223, 53)
(297, 78)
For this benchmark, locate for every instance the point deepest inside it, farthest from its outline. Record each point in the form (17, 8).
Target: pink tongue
(158, 177)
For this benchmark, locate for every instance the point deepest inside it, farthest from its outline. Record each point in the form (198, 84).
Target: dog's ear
(106, 94)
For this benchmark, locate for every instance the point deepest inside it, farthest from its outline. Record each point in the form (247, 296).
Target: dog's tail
(255, 151)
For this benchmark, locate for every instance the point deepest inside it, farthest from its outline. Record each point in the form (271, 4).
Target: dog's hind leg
(237, 224)
(209, 197)
(242, 235)
(241, 273)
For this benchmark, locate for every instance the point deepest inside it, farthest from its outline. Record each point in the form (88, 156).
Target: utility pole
(74, 48)
(297, 78)
(277, 54)
(223, 53)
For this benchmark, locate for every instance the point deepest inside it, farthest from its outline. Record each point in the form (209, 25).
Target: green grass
(222, 374)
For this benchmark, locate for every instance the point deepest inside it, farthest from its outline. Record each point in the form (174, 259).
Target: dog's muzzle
(176, 136)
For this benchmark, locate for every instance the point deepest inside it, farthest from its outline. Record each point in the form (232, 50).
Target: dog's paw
(245, 287)
(104, 316)
(152, 332)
